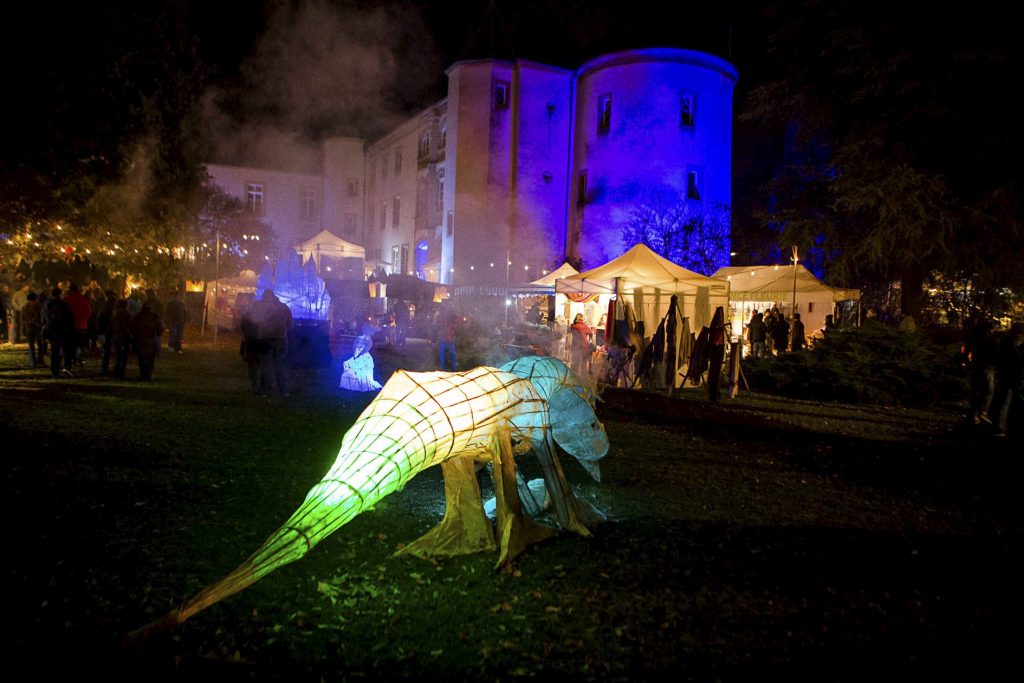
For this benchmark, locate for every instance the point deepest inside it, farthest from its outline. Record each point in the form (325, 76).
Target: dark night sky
(564, 33)
(234, 38)
(78, 72)
(43, 39)
(256, 55)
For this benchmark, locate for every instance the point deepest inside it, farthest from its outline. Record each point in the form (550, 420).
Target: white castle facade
(521, 165)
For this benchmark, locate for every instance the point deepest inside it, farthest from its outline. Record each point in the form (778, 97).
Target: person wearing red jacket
(81, 309)
(579, 350)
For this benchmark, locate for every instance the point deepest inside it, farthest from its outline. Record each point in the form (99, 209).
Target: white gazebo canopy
(757, 287)
(777, 283)
(564, 270)
(326, 243)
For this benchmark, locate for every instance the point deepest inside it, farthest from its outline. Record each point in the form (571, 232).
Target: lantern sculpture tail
(328, 506)
(418, 420)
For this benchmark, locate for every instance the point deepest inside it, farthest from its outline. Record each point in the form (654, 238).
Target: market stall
(643, 283)
(227, 298)
(648, 282)
(789, 288)
(539, 303)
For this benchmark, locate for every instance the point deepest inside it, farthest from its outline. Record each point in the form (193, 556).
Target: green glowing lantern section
(417, 420)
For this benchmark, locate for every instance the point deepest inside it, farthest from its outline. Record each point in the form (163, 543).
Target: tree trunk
(912, 292)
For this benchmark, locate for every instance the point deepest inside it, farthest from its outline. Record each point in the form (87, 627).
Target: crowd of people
(769, 334)
(995, 363)
(64, 325)
(70, 323)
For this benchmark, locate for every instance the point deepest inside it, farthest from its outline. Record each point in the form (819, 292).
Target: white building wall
(343, 191)
(394, 179)
(430, 183)
(478, 165)
(282, 199)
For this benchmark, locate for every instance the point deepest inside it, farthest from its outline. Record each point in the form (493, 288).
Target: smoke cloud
(322, 70)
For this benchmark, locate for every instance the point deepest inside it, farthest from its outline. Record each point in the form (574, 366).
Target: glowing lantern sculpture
(457, 421)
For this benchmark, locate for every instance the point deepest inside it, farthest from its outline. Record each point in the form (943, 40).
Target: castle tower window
(693, 183)
(604, 113)
(501, 95)
(687, 110)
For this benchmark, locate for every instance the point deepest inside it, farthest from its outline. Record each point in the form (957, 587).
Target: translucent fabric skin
(456, 420)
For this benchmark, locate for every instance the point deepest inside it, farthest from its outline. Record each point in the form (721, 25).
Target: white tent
(761, 287)
(548, 281)
(327, 251)
(648, 281)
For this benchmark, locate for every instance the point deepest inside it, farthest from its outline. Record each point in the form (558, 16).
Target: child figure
(357, 371)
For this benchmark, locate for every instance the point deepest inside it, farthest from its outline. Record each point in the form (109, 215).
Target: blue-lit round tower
(653, 128)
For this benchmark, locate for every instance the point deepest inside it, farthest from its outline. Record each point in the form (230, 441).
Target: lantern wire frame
(457, 420)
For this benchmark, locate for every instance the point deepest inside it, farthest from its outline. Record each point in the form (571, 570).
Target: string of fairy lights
(64, 244)
(432, 271)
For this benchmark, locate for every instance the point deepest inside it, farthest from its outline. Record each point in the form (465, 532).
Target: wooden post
(216, 291)
(734, 369)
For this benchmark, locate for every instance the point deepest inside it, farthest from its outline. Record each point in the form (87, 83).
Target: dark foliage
(870, 364)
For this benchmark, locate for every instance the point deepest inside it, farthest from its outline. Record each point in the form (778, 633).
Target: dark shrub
(869, 364)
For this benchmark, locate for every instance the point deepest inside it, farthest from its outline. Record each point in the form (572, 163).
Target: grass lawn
(757, 537)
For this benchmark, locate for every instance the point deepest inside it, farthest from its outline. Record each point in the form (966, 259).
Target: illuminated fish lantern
(418, 420)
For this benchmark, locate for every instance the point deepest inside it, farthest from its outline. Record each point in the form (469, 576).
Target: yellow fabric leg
(465, 528)
(515, 530)
(572, 513)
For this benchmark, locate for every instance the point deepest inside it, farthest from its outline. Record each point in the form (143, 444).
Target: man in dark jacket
(60, 330)
(146, 331)
(121, 336)
(32, 327)
(104, 321)
(980, 349)
(797, 340)
(275, 322)
(780, 333)
(756, 335)
(1009, 373)
(175, 315)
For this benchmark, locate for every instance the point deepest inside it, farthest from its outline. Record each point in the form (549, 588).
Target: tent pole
(216, 291)
(795, 259)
